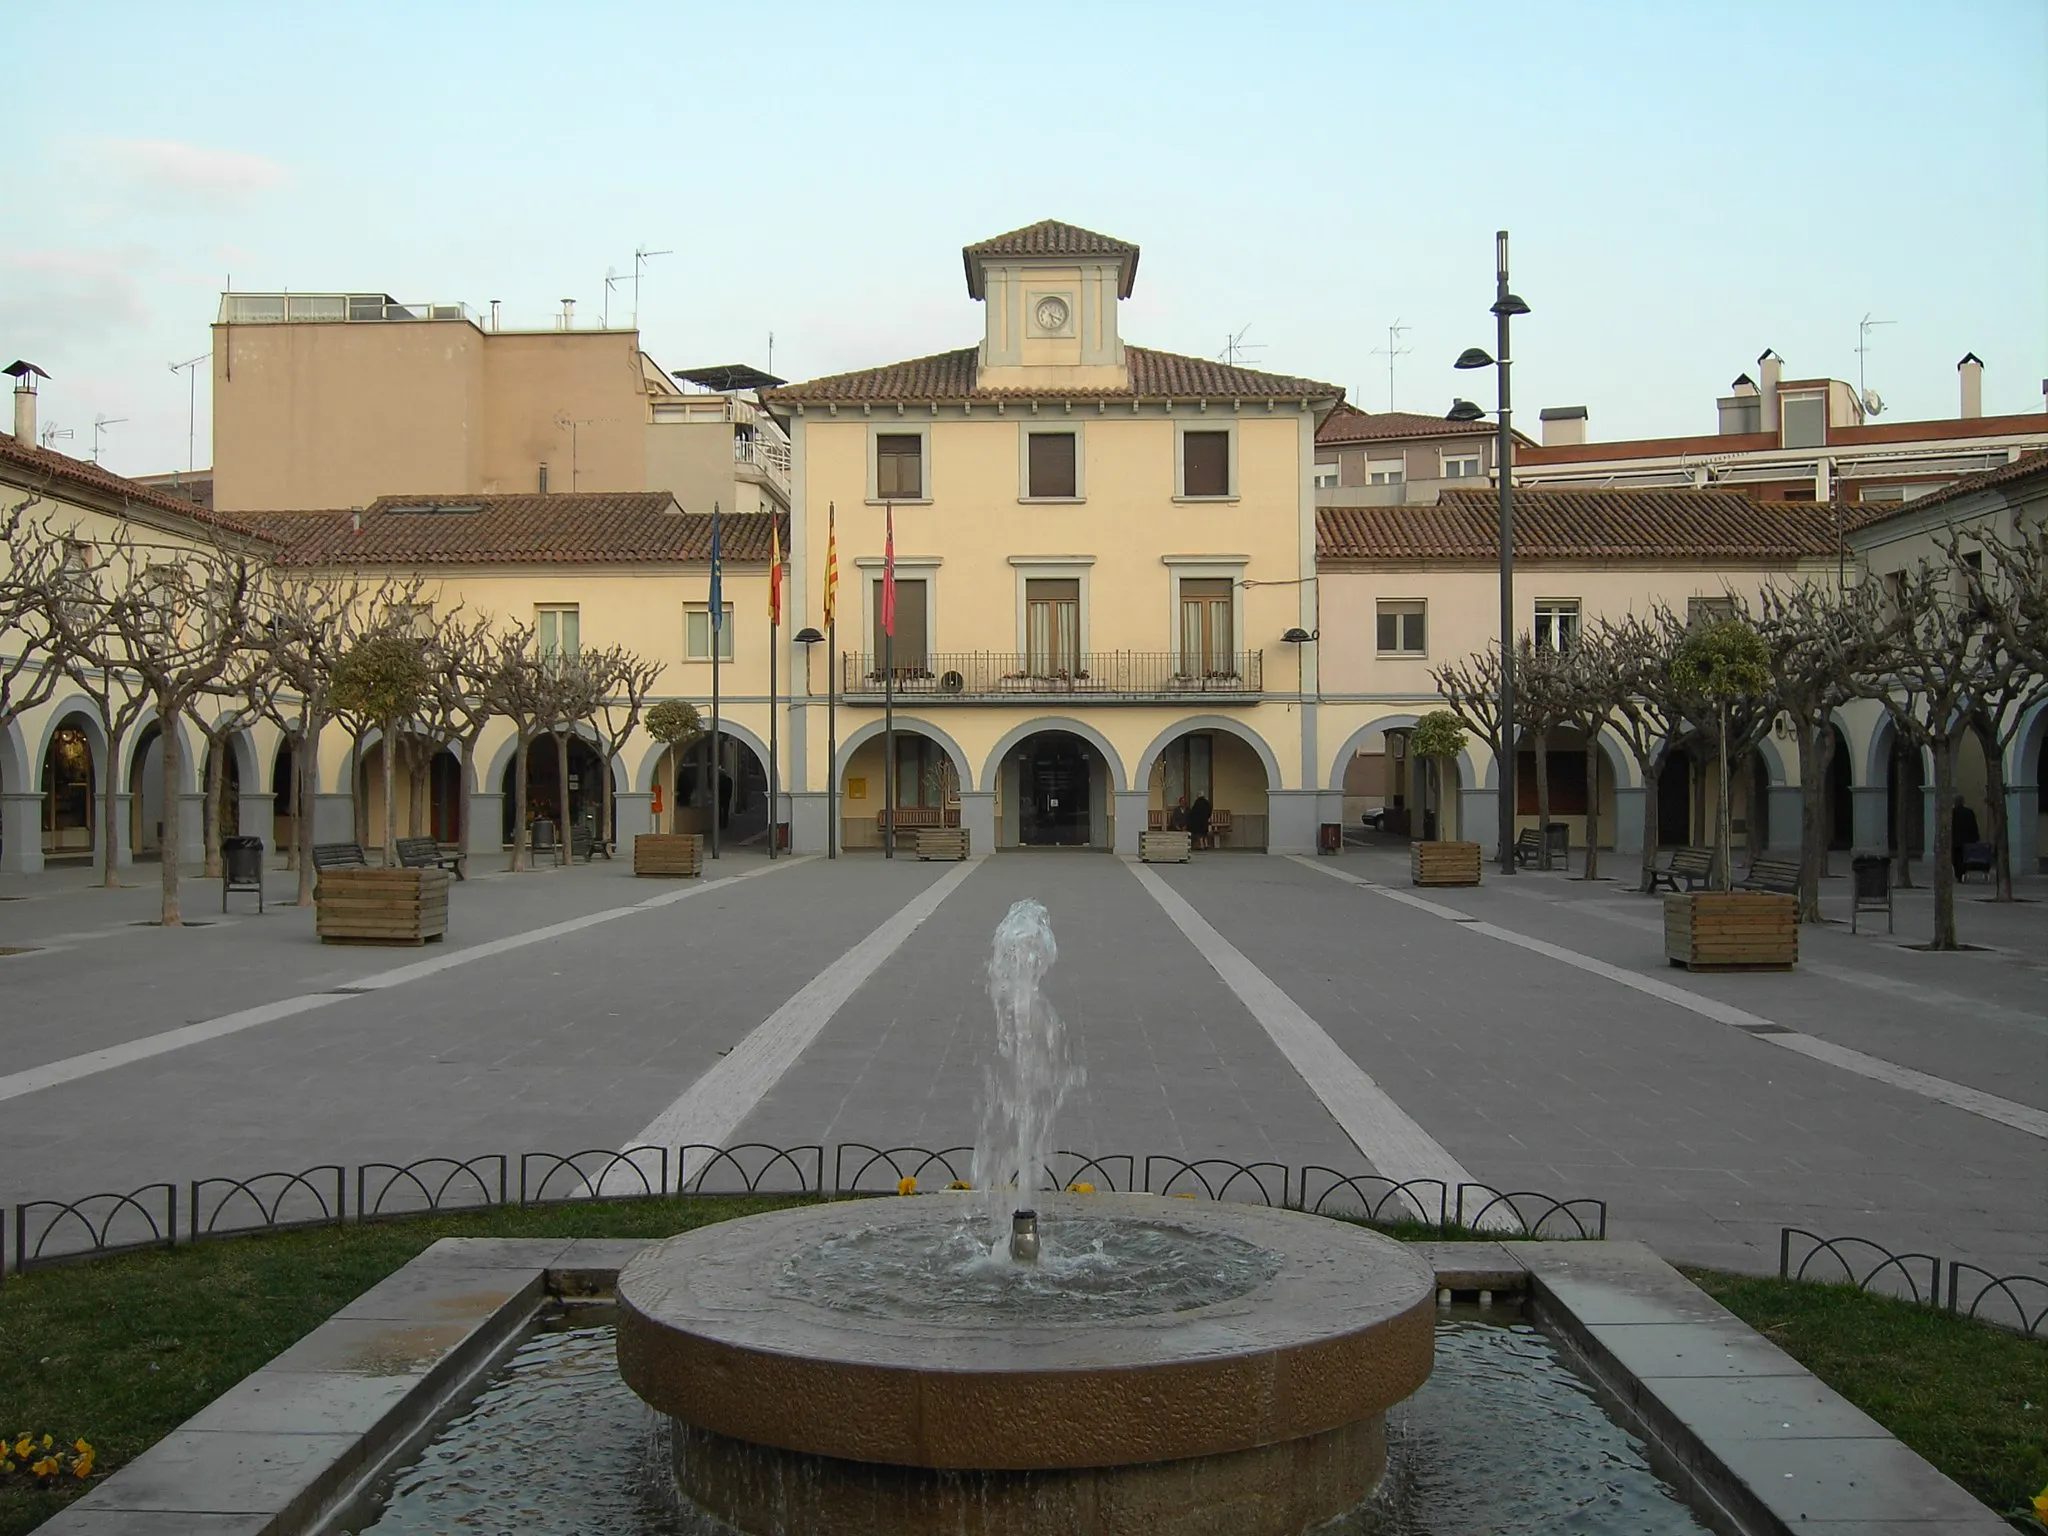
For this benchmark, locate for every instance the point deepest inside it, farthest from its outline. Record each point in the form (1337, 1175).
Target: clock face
(1051, 313)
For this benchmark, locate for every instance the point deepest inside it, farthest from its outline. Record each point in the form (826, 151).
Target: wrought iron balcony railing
(981, 675)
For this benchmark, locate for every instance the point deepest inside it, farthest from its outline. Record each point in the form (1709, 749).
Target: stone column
(978, 819)
(1291, 820)
(21, 834)
(2023, 818)
(256, 815)
(334, 818)
(1926, 848)
(122, 832)
(484, 835)
(1133, 810)
(1477, 816)
(191, 829)
(1787, 803)
(1870, 831)
(810, 813)
(1628, 819)
(632, 813)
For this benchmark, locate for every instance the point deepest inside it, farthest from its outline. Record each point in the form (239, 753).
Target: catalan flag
(889, 571)
(775, 572)
(831, 563)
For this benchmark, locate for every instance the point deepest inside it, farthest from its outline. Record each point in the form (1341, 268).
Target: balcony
(769, 457)
(1102, 677)
(301, 308)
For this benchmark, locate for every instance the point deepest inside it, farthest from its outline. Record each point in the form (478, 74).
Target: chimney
(1564, 426)
(568, 314)
(1741, 408)
(494, 314)
(1971, 370)
(1772, 367)
(25, 376)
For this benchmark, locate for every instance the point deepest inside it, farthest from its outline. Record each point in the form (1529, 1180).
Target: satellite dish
(1872, 402)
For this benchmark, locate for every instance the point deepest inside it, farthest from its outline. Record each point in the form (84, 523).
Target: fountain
(1019, 1359)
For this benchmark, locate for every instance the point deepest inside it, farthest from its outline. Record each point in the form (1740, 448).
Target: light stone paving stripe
(2021, 1117)
(711, 1108)
(72, 1068)
(1398, 1147)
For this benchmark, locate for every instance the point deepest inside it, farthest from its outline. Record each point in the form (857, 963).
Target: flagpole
(889, 694)
(832, 737)
(774, 645)
(717, 617)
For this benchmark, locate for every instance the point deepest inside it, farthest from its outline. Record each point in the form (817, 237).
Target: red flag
(775, 573)
(889, 571)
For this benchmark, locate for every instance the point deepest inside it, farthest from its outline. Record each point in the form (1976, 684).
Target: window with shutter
(1052, 464)
(1205, 463)
(899, 466)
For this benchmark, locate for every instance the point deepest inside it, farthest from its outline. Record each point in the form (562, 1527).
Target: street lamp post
(1505, 307)
(807, 637)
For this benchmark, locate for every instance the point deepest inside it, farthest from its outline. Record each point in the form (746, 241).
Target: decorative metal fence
(47, 1232)
(2015, 1302)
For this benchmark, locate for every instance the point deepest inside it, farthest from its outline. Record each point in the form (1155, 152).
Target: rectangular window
(1460, 466)
(697, 640)
(1708, 610)
(1326, 475)
(1401, 627)
(899, 466)
(924, 774)
(556, 628)
(1052, 464)
(1205, 463)
(910, 655)
(1385, 471)
(1805, 421)
(1557, 623)
(1052, 626)
(1205, 628)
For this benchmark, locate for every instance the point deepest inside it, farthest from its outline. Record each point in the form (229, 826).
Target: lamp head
(1510, 305)
(1297, 636)
(1474, 357)
(1464, 410)
(808, 635)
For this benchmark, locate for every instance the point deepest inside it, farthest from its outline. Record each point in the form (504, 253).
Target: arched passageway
(427, 788)
(925, 783)
(71, 792)
(231, 789)
(1220, 769)
(575, 806)
(683, 790)
(146, 791)
(1905, 807)
(1841, 801)
(1675, 800)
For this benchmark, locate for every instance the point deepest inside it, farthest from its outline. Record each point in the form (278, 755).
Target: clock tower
(1050, 291)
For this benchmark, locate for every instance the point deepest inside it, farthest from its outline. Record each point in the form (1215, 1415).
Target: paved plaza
(1525, 1033)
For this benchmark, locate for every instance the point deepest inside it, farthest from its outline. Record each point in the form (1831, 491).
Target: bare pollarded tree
(462, 660)
(624, 680)
(243, 695)
(31, 654)
(1649, 715)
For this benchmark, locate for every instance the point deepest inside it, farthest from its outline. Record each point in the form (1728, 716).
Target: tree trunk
(419, 756)
(216, 791)
(607, 828)
(309, 803)
(1816, 747)
(1651, 770)
(465, 788)
(1592, 805)
(562, 796)
(519, 746)
(109, 831)
(1756, 806)
(1944, 843)
(1994, 795)
(390, 765)
(291, 795)
(1541, 741)
(167, 853)
(1724, 851)
(1902, 820)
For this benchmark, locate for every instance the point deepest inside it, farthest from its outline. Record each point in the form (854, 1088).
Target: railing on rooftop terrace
(1096, 674)
(290, 308)
(772, 458)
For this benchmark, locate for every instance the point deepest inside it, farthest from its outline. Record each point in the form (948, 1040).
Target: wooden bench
(1529, 845)
(339, 856)
(1164, 847)
(1772, 874)
(425, 853)
(942, 842)
(581, 844)
(381, 906)
(1692, 865)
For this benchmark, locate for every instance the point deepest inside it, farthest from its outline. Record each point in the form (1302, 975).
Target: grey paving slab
(248, 1472)
(288, 1402)
(1538, 1075)
(1175, 1065)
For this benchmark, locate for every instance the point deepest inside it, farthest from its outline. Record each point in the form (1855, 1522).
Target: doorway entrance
(1055, 791)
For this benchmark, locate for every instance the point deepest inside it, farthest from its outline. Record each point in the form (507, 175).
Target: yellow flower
(82, 1446)
(1080, 1189)
(82, 1467)
(24, 1445)
(48, 1442)
(1183, 1197)
(906, 1186)
(2041, 1504)
(959, 1184)
(47, 1467)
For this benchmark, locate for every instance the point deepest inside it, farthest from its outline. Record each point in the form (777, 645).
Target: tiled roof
(1049, 237)
(1348, 424)
(44, 468)
(577, 528)
(1695, 526)
(949, 376)
(1990, 480)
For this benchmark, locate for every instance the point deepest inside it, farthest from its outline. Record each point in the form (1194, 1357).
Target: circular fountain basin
(851, 1367)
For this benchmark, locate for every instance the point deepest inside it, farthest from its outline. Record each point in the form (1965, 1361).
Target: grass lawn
(122, 1351)
(1970, 1398)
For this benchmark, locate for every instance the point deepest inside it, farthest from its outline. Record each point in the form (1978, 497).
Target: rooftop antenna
(99, 425)
(190, 368)
(771, 352)
(572, 423)
(611, 281)
(641, 256)
(1392, 350)
(55, 434)
(1236, 348)
(1863, 329)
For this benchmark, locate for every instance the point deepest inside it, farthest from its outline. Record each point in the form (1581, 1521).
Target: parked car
(1374, 819)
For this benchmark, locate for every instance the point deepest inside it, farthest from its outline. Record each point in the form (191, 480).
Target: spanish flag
(775, 572)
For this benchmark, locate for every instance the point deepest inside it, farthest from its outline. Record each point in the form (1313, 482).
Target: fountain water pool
(961, 1364)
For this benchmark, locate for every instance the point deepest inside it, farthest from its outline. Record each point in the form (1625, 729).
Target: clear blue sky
(1686, 185)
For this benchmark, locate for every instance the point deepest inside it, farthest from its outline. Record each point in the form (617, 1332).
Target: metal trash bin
(241, 868)
(1330, 837)
(543, 834)
(1871, 879)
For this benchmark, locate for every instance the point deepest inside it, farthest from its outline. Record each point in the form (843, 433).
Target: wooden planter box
(1443, 863)
(381, 906)
(1731, 931)
(1164, 847)
(668, 853)
(941, 842)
